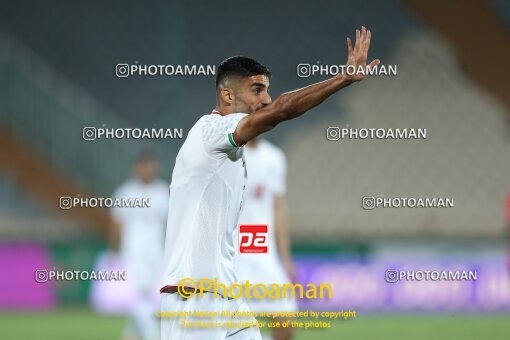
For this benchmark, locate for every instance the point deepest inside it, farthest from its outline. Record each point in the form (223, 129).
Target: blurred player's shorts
(115, 297)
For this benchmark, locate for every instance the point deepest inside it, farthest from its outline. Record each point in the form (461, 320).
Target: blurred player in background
(265, 203)
(208, 182)
(139, 233)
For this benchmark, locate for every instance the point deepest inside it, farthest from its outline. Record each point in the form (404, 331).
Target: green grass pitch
(81, 323)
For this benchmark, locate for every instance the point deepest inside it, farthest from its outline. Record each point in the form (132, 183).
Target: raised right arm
(293, 104)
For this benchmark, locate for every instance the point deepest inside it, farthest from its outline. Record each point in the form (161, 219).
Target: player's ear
(227, 95)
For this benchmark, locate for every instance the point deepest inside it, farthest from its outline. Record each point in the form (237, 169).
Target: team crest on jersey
(258, 191)
(253, 238)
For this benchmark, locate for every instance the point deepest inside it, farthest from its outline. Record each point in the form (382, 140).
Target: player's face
(252, 94)
(147, 170)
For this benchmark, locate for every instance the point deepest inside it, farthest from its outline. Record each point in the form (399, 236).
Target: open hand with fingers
(357, 56)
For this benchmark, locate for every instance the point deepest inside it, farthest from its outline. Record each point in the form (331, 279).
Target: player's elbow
(270, 116)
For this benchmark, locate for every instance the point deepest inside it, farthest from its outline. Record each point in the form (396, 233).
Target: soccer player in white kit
(265, 203)
(208, 182)
(140, 231)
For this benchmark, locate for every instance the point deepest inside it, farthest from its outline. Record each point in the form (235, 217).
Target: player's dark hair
(146, 155)
(240, 66)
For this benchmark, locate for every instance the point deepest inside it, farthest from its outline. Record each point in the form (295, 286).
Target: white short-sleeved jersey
(142, 229)
(205, 199)
(267, 169)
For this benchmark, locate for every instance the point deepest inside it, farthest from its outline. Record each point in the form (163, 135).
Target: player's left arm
(283, 236)
(115, 224)
(114, 231)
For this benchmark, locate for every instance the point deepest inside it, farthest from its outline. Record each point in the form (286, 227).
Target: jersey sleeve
(218, 132)
(280, 178)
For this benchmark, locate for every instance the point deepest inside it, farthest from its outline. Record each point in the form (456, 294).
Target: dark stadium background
(57, 76)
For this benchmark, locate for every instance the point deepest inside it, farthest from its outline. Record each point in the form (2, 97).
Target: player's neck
(224, 110)
(145, 181)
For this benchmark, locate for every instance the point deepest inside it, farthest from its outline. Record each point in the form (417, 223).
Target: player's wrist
(343, 80)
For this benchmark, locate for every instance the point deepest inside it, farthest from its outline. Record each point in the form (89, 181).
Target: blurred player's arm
(114, 230)
(115, 227)
(283, 235)
(507, 216)
(293, 104)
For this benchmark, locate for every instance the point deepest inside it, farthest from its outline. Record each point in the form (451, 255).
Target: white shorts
(176, 328)
(267, 270)
(273, 305)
